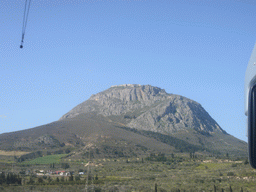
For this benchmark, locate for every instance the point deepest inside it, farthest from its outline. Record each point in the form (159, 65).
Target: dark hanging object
(25, 21)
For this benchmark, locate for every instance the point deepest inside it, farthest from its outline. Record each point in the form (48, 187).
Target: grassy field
(48, 159)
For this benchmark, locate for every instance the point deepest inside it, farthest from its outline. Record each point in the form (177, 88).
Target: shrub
(230, 174)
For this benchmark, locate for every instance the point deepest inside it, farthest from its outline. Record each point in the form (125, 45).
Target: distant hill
(129, 120)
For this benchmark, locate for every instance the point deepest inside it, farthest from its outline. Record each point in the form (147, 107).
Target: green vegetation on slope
(48, 159)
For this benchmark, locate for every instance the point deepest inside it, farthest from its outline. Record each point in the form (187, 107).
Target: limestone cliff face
(147, 107)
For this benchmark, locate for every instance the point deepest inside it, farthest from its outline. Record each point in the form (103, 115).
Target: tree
(40, 180)
(19, 181)
(155, 187)
(49, 179)
(31, 181)
(71, 178)
(192, 155)
(67, 151)
(8, 179)
(13, 178)
(64, 165)
(2, 177)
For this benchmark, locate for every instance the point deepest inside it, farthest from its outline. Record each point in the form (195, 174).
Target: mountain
(148, 108)
(127, 120)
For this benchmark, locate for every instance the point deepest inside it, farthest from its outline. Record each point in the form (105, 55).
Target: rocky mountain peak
(146, 107)
(130, 92)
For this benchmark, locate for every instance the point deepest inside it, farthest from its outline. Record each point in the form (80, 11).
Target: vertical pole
(13, 161)
(88, 170)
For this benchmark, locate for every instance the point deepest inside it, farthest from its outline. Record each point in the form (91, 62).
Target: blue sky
(73, 49)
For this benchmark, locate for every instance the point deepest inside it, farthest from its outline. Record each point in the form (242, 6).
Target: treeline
(10, 179)
(70, 180)
(156, 157)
